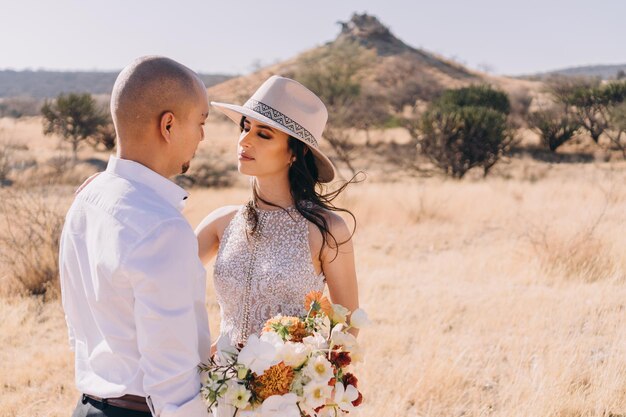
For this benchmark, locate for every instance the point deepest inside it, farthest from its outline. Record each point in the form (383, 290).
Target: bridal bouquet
(298, 367)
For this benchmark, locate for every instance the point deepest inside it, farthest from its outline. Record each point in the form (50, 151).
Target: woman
(287, 240)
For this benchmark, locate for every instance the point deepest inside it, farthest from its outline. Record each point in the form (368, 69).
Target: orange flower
(274, 381)
(317, 302)
(291, 325)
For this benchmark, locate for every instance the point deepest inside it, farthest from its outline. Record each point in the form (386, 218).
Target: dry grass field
(503, 296)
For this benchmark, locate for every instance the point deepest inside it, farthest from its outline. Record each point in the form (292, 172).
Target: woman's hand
(87, 181)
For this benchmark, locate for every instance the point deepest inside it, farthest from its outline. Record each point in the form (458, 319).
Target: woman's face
(263, 151)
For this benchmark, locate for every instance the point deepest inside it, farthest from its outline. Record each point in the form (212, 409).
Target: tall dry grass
(497, 297)
(472, 318)
(30, 223)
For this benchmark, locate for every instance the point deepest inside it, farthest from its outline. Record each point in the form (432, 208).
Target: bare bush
(520, 105)
(336, 75)
(31, 228)
(60, 164)
(579, 256)
(594, 106)
(59, 169)
(618, 129)
(106, 136)
(210, 171)
(5, 162)
(343, 145)
(582, 257)
(555, 126)
(17, 107)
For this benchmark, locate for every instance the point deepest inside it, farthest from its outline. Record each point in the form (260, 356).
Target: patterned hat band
(271, 113)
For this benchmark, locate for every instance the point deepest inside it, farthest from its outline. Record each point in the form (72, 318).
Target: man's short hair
(149, 87)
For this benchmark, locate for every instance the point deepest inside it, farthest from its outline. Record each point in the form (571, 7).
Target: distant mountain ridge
(49, 84)
(605, 72)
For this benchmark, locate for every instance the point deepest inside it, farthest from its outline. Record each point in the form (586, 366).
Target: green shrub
(475, 96)
(554, 127)
(466, 128)
(461, 138)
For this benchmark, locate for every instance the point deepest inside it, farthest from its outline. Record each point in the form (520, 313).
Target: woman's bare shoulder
(337, 225)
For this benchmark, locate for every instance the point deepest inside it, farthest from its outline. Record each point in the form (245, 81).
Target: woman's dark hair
(309, 196)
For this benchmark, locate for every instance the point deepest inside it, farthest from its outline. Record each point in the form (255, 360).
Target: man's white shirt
(133, 291)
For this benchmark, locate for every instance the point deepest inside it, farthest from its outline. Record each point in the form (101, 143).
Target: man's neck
(144, 159)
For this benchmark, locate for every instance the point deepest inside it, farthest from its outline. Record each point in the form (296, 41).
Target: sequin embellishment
(259, 276)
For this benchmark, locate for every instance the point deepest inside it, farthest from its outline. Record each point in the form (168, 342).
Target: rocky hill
(393, 67)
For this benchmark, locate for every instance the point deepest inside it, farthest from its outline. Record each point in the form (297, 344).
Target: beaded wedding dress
(259, 275)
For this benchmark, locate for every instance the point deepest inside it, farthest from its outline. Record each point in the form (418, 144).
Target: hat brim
(325, 168)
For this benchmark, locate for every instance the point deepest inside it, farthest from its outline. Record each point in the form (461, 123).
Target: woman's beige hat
(290, 107)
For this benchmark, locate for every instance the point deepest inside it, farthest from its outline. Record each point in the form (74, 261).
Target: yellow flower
(274, 381)
(316, 301)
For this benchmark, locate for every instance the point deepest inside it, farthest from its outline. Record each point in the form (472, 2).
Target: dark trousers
(87, 407)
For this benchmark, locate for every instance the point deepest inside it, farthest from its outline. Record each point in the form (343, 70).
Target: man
(133, 286)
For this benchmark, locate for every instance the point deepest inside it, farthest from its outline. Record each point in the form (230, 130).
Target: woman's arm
(338, 265)
(209, 231)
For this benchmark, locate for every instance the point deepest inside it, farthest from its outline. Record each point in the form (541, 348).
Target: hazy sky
(510, 37)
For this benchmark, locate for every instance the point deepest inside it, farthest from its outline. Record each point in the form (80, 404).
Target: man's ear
(165, 125)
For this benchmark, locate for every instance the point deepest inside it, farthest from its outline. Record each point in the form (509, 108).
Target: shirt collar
(134, 171)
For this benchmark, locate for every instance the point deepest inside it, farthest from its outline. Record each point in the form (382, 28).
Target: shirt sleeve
(164, 273)
(70, 330)
(71, 336)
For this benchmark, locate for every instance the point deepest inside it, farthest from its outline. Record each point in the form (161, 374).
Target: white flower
(359, 319)
(225, 351)
(319, 369)
(211, 382)
(317, 393)
(214, 385)
(316, 342)
(280, 406)
(257, 355)
(339, 313)
(242, 371)
(293, 354)
(273, 338)
(324, 326)
(345, 396)
(339, 337)
(237, 395)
